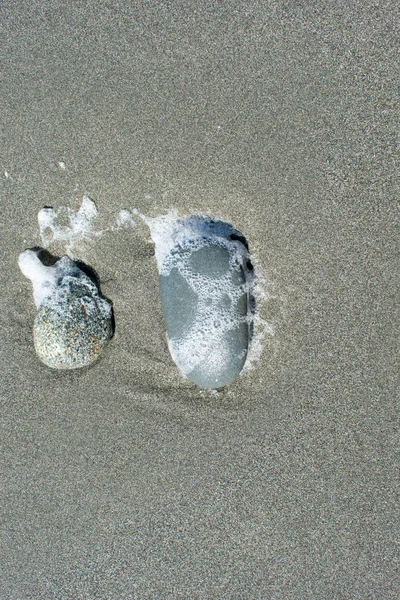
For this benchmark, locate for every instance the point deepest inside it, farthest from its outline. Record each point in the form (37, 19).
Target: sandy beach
(124, 480)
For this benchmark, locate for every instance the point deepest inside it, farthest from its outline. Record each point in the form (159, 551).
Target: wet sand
(124, 480)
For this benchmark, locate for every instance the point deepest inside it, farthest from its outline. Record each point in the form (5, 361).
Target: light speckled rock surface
(73, 322)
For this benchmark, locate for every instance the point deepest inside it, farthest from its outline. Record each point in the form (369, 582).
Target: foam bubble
(125, 219)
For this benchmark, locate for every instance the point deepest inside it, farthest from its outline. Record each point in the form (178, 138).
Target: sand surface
(124, 481)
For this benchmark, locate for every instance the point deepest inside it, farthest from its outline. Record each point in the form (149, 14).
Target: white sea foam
(163, 231)
(45, 279)
(125, 219)
(262, 328)
(81, 225)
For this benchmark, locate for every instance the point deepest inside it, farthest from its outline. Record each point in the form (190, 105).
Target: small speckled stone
(73, 322)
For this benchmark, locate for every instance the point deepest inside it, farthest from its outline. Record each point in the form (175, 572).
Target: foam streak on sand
(81, 224)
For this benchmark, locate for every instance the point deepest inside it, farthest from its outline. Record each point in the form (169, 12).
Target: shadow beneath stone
(44, 256)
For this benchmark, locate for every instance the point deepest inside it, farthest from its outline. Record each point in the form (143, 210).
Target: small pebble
(73, 322)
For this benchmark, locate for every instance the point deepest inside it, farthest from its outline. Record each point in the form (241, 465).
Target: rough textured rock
(73, 321)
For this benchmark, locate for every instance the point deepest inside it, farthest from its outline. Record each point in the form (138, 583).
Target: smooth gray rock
(205, 285)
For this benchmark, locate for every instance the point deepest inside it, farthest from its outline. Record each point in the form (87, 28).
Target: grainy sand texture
(123, 480)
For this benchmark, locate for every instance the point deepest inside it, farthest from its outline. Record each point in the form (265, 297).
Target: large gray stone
(205, 285)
